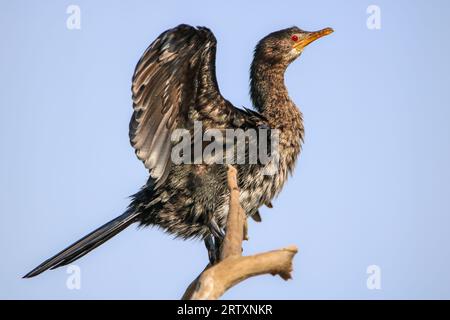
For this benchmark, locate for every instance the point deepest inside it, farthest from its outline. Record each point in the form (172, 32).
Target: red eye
(294, 38)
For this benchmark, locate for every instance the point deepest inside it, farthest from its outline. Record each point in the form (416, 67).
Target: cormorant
(174, 85)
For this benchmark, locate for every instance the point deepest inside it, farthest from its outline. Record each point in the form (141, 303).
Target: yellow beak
(312, 36)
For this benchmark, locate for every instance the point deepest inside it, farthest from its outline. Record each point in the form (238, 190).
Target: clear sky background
(371, 186)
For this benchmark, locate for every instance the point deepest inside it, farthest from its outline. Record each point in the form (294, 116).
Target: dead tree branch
(233, 268)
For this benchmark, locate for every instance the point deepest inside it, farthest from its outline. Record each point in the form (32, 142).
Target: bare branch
(232, 244)
(233, 267)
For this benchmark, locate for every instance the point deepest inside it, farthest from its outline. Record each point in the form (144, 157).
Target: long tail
(87, 243)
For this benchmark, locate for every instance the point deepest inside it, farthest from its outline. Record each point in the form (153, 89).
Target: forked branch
(233, 267)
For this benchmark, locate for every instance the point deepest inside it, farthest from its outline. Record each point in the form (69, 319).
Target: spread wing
(173, 85)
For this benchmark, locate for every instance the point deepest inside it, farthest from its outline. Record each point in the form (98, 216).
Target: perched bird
(173, 86)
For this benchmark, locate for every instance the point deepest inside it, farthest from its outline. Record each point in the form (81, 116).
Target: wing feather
(176, 75)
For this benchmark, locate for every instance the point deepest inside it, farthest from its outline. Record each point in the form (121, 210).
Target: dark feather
(256, 216)
(87, 243)
(176, 75)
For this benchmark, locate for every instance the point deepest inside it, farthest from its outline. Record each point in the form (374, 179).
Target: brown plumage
(174, 85)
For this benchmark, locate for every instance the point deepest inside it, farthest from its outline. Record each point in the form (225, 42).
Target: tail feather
(87, 243)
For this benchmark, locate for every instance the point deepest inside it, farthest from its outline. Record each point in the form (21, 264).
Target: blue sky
(371, 186)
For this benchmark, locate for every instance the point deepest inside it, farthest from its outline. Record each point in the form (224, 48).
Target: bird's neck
(267, 86)
(270, 97)
(269, 93)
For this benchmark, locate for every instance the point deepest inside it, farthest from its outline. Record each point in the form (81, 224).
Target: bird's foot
(213, 245)
(215, 229)
(214, 241)
(210, 246)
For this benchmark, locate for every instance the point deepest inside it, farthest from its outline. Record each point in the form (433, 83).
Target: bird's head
(284, 46)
